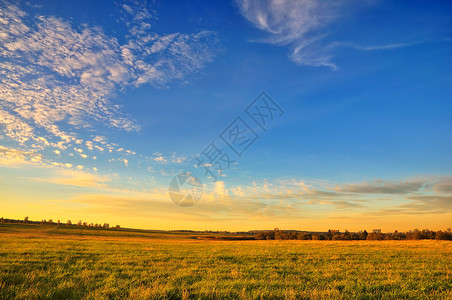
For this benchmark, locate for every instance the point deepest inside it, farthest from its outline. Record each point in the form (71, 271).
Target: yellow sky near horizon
(68, 194)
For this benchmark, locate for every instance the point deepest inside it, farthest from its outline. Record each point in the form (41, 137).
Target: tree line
(335, 235)
(276, 234)
(59, 223)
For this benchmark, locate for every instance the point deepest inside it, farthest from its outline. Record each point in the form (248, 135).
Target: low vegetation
(336, 235)
(70, 262)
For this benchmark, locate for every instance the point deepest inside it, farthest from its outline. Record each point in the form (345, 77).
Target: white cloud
(303, 27)
(15, 157)
(15, 128)
(375, 47)
(99, 148)
(297, 24)
(55, 77)
(160, 158)
(219, 189)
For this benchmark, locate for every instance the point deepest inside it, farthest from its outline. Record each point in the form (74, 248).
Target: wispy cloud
(429, 204)
(383, 187)
(297, 195)
(420, 205)
(443, 186)
(284, 196)
(375, 47)
(298, 24)
(76, 178)
(303, 26)
(57, 78)
(259, 203)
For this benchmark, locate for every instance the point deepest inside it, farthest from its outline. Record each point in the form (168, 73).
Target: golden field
(57, 262)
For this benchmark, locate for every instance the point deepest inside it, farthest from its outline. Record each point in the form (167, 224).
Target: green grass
(47, 262)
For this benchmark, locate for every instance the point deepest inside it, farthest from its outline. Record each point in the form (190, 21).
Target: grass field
(50, 262)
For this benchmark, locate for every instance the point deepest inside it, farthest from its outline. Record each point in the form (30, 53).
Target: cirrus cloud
(297, 24)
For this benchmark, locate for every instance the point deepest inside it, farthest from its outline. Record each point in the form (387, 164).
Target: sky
(305, 114)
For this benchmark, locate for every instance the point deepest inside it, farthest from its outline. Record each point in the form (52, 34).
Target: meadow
(56, 262)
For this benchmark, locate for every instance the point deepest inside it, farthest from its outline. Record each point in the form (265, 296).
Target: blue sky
(102, 103)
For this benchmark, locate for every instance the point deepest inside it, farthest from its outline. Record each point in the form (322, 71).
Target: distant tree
(2, 220)
(50, 221)
(260, 236)
(265, 235)
(279, 235)
(417, 235)
(375, 235)
(117, 227)
(69, 222)
(336, 237)
(304, 236)
(318, 237)
(408, 234)
(79, 223)
(347, 235)
(362, 235)
(394, 236)
(443, 235)
(440, 235)
(329, 235)
(26, 220)
(270, 235)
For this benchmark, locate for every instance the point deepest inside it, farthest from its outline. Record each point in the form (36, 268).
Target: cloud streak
(298, 24)
(76, 178)
(383, 187)
(303, 26)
